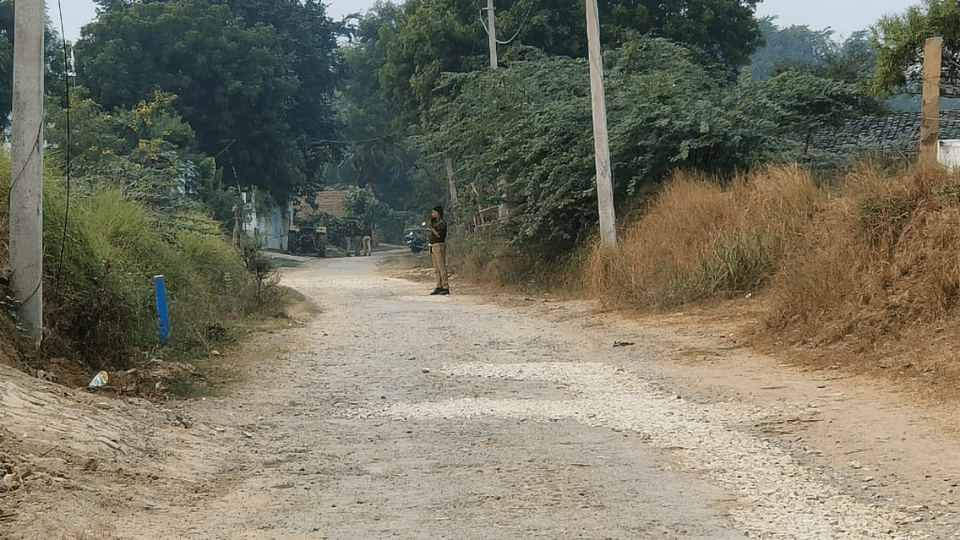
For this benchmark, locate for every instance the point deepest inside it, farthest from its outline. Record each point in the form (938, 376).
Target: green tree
(439, 36)
(854, 62)
(236, 77)
(804, 80)
(520, 135)
(434, 36)
(899, 40)
(308, 38)
(376, 154)
(363, 206)
(800, 103)
(725, 30)
(149, 152)
(55, 72)
(668, 111)
(792, 46)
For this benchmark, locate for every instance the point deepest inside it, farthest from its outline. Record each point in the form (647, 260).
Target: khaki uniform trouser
(439, 252)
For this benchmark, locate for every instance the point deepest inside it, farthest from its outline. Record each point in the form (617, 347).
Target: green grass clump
(102, 252)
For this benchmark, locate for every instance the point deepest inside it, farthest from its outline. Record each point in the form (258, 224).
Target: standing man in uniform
(438, 248)
(366, 239)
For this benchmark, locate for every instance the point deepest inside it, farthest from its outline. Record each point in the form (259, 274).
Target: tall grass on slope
(99, 268)
(703, 240)
(122, 248)
(884, 260)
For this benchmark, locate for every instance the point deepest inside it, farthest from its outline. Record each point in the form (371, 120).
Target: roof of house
(882, 132)
(327, 202)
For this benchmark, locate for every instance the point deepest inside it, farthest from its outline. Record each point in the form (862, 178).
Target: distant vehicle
(416, 239)
(305, 240)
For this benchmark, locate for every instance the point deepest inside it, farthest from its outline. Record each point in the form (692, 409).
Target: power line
(519, 29)
(67, 151)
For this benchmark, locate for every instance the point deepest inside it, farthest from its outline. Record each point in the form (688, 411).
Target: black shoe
(436, 291)
(444, 291)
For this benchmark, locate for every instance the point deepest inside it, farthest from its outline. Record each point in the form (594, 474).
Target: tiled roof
(900, 131)
(327, 202)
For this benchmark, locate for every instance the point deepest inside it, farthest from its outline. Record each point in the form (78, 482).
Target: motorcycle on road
(416, 240)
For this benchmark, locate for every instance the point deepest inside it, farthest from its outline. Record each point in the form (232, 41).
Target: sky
(842, 16)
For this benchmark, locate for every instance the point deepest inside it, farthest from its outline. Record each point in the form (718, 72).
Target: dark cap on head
(438, 209)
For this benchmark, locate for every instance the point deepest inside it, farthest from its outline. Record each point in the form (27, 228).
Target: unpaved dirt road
(391, 413)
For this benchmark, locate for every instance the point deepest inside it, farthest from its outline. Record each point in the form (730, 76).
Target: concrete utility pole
(601, 146)
(492, 34)
(930, 124)
(26, 183)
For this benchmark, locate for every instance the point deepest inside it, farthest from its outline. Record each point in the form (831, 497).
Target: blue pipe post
(162, 314)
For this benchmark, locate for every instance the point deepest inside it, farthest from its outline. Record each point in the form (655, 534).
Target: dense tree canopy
(437, 36)
(799, 103)
(309, 39)
(900, 39)
(377, 154)
(148, 152)
(521, 135)
(54, 76)
(814, 51)
(254, 78)
(809, 80)
(251, 82)
(724, 29)
(789, 46)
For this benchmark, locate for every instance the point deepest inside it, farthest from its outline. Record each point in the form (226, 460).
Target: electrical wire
(359, 141)
(67, 151)
(517, 33)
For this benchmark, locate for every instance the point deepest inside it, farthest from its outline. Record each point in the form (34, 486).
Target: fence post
(930, 124)
(162, 315)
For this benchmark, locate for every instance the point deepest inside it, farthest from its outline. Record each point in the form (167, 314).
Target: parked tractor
(307, 241)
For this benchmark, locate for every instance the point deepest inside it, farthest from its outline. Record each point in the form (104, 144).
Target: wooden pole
(930, 124)
(601, 146)
(26, 183)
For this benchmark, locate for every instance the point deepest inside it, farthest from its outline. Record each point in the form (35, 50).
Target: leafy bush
(520, 135)
(260, 266)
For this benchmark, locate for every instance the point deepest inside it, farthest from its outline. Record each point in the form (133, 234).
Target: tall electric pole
(492, 34)
(26, 182)
(601, 146)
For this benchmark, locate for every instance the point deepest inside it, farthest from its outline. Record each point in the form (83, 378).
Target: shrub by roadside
(99, 263)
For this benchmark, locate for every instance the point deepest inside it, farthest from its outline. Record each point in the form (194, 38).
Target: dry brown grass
(701, 240)
(882, 258)
(864, 276)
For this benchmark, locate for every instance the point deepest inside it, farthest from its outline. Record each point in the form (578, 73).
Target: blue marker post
(162, 310)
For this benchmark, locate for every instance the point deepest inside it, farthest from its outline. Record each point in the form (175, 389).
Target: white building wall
(948, 153)
(273, 229)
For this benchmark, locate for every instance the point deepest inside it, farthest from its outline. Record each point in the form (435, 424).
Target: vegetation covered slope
(101, 255)
(864, 276)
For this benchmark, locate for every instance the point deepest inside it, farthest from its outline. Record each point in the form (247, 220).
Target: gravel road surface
(394, 414)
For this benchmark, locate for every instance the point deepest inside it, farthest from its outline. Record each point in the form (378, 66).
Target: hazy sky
(842, 16)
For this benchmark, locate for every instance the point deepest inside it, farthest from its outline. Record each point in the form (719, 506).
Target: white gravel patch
(777, 497)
